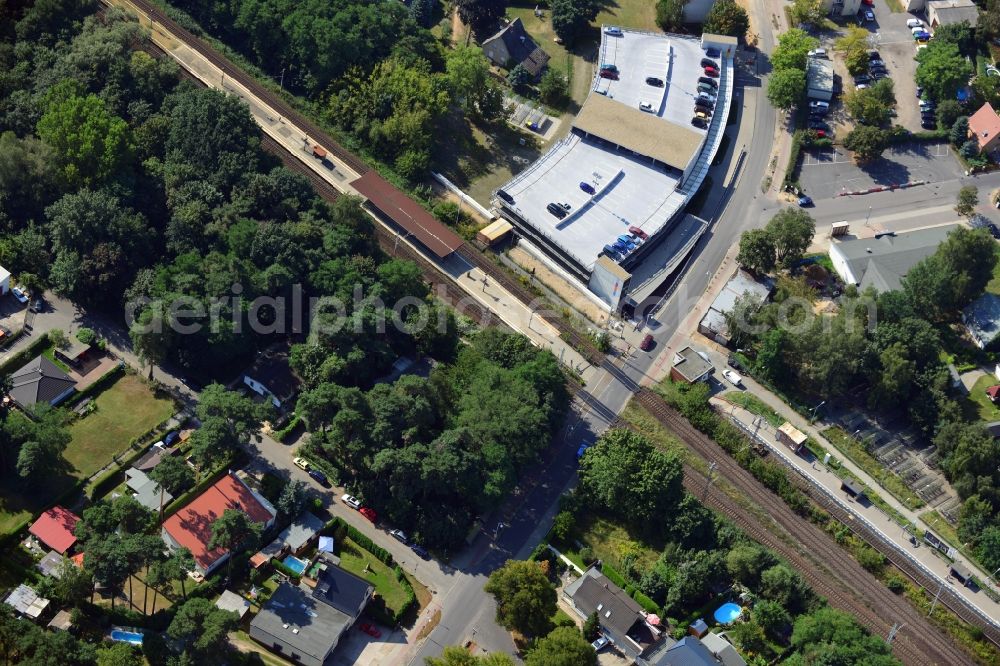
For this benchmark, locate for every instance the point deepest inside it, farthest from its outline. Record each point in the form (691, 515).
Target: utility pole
(936, 597)
(708, 481)
(281, 83)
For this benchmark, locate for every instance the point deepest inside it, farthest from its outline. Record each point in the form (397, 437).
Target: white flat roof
(631, 192)
(674, 59)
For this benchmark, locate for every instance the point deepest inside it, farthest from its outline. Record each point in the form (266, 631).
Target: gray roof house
(950, 12)
(982, 319)
(688, 651)
(622, 619)
(690, 366)
(40, 381)
(305, 625)
(881, 262)
(514, 46)
(145, 490)
(297, 535)
(713, 324)
(272, 378)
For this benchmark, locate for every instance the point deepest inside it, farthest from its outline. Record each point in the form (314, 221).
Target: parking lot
(895, 44)
(830, 171)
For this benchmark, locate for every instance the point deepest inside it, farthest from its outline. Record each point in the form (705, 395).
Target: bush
(648, 604)
(870, 559)
(613, 575)
(86, 336)
(587, 555)
(895, 583)
(285, 433)
(562, 526)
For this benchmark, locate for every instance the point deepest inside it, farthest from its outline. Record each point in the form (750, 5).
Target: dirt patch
(560, 286)
(429, 625)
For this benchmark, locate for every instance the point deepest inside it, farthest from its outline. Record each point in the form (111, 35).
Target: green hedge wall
(20, 358)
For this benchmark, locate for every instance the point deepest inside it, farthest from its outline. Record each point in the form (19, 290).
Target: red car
(370, 629)
(711, 71)
(647, 343)
(368, 513)
(607, 74)
(820, 134)
(638, 232)
(868, 2)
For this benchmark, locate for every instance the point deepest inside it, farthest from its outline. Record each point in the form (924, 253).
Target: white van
(914, 23)
(818, 105)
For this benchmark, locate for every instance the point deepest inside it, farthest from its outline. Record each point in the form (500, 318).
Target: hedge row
(36, 347)
(109, 378)
(286, 433)
(792, 171)
(647, 604)
(12, 338)
(198, 489)
(285, 569)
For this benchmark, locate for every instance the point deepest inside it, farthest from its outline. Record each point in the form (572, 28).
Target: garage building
(819, 79)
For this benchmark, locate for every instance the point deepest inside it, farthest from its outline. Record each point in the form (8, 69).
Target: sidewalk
(826, 480)
(505, 305)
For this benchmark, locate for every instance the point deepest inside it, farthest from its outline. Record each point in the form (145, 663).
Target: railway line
(856, 592)
(844, 582)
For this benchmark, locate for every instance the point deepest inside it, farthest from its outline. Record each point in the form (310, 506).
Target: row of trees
(142, 190)
(787, 85)
(434, 453)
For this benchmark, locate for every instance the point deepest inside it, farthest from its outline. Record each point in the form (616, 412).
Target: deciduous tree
(854, 47)
(482, 16)
(670, 14)
(564, 646)
(727, 18)
(792, 50)
(786, 88)
(791, 230)
(866, 142)
(967, 200)
(757, 251)
(525, 598)
(570, 18)
(942, 70)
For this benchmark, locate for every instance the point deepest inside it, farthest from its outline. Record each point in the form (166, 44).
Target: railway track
(920, 647)
(236, 73)
(844, 582)
(442, 287)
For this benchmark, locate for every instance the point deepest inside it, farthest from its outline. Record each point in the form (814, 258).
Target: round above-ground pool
(728, 613)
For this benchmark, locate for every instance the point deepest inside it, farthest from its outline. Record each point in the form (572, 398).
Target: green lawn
(124, 411)
(353, 558)
(994, 285)
(977, 404)
(612, 543)
(754, 405)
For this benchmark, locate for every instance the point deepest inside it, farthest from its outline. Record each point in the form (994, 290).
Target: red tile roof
(993, 391)
(55, 527)
(984, 124)
(191, 527)
(408, 214)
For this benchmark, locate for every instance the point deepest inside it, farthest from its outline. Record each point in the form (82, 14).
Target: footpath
(827, 480)
(479, 287)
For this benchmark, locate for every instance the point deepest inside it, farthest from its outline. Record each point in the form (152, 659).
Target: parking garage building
(629, 166)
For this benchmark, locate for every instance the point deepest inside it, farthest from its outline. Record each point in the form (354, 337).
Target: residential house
(622, 619)
(303, 625)
(690, 366)
(841, 7)
(55, 528)
(4, 281)
(61, 621)
(40, 381)
(25, 601)
(51, 564)
(694, 651)
(993, 393)
(984, 128)
(272, 378)
(146, 491)
(513, 46)
(301, 532)
(951, 12)
(741, 284)
(981, 318)
(191, 526)
(882, 261)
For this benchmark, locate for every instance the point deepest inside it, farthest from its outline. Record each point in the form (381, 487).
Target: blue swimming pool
(728, 613)
(295, 564)
(133, 637)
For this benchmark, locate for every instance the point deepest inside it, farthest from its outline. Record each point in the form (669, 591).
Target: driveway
(829, 171)
(894, 41)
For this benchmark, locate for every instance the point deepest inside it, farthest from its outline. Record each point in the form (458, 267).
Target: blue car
(712, 52)
(805, 201)
(611, 252)
(580, 451)
(318, 476)
(587, 187)
(420, 550)
(171, 437)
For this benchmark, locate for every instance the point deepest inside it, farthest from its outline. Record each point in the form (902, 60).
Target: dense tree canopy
(786, 88)
(727, 18)
(564, 646)
(942, 70)
(526, 599)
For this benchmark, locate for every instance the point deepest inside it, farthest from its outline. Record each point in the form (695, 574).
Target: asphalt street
(468, 613)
